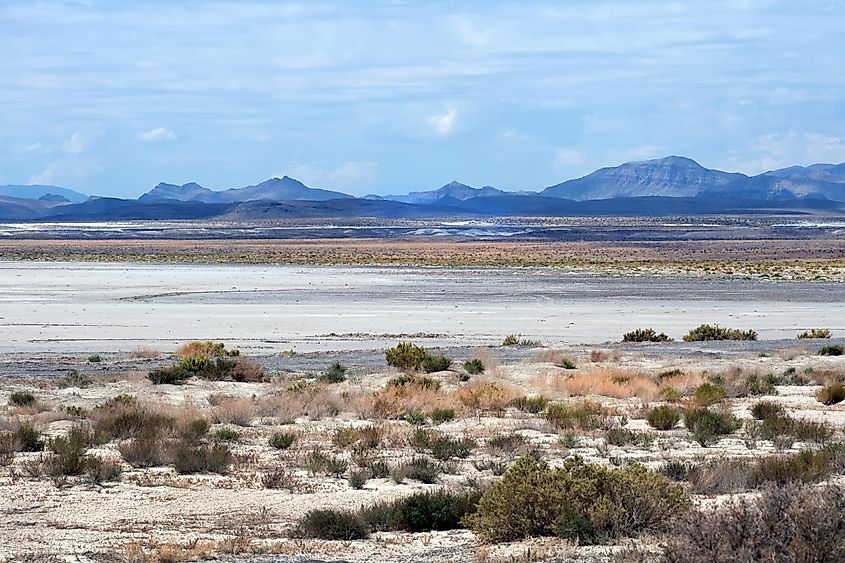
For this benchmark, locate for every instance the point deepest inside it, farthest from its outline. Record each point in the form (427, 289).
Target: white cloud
(345, 175)
(568, 157)
(443, 124)
(158, 135)
(769, 152)
(75, 144)
(33, 147)
(46, 176)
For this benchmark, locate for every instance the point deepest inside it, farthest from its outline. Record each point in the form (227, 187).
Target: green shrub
(69, 452)
(21, 399)
(331, 524)
(474, 366)
(98, 470)
(709, 394)
(405, 356)
(439, 416)
(95, 358)
(706, 426)
(663, 417)
(831, 350)
(806, 466)
(422, 511)
(517, 340)
(282, 440)
(755, 386)
(197, 428)
(645, 335)
(715, 332)
(335, 466)
(191, 458)
(358, 478)
(510, 340)
(75, 379)
(227, 434)
(832, 394)
(579, 501)
(566, 363)
(27, 438)
(625, 437)
(425, 382)
(534, 405)
(335, 374)
(767, 409)
(445, 448)
(420, 469)
(172, 375)
(585, 415)
(431, 364)
(416, 418)
(815, 333)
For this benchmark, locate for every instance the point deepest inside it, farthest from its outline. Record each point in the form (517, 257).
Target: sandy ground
(73, 308)
(153, 510)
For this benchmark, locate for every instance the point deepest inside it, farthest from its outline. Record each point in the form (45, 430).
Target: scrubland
(619, 454)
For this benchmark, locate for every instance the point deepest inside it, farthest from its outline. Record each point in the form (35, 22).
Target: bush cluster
(663, 417)
(405, 356)
(707, 426)
(715, 332)
(831, 350)
(216, 369)
(586, 415)
(579, 501)
(832, 394)
(815, 333)
(431, 364)
(474, 366)
(645, 335)
(784, 524)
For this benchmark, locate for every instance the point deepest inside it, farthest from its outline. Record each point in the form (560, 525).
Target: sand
(75, 307)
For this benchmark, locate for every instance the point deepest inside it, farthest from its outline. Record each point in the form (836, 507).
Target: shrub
(405, 356)
(423, 382)
(474, 366)
(98, 470)
(663, 417)
(335, 374)
(715, 332)
(423, 511)
(510, 340)
(207, 349)
(767, 409)
(75, 379)
(784, 524)
(756, 386)
(95, 358)
(815, 333)
(831, 350)
(534, 405)
(507, 443)
(832, 394)
(439, 416)
(27, 438)
(172, 375)
(566, 363)
(645, 335)
(190, 458)
(358, 478)
(146, 449)
(227, 434)
(331, 524)
(420, 469)
(709, 394)
(445, 448)
(579, 501)
(416, 418)
(21, 399)
(585, 415)
(335, 466)
(806, 466)
(282, 440)
(625, 437)
(706, 426)
(431, 364)
(69, 452)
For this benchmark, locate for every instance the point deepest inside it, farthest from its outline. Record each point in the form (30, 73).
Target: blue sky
(385, 97)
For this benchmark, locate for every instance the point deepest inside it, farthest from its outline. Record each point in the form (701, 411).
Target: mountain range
(670, 185)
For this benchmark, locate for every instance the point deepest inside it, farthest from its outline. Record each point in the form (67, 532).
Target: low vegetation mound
(815, 333)
(663, 417)
(832, 394)
(579, 501)
(784, 524)
(405, 356)
(831, 350)
(645, 335)
(715, 332)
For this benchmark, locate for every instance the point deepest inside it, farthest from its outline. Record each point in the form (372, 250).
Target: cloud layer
(389, 96)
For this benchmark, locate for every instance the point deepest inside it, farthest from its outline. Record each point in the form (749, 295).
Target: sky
(110, 97)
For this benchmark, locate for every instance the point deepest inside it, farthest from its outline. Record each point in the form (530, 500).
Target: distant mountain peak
(279, 189)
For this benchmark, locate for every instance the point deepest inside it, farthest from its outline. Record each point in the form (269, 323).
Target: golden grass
(610, 382)
(144, 353)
